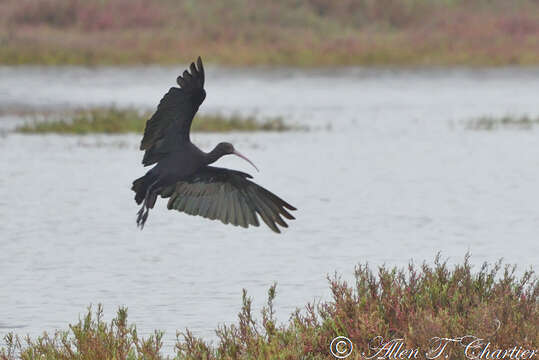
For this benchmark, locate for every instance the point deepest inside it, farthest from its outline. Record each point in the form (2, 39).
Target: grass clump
(112, 120)
(99, 120)
(219, 123)
(415, 304)
(494, 123)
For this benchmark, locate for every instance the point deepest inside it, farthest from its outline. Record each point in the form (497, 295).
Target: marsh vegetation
(281, 32)
(416, 304)
(113, 120)
(523, 122)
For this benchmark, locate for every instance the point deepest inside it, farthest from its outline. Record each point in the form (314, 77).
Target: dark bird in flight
(182, 172)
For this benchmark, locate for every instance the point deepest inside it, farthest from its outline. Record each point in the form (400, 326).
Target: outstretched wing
(171, 123)
(227, 195)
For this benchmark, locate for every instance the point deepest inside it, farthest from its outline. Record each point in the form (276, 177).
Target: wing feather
(271, 207)
(214, 203)
(228, 196)
(193, 69)
(205, 204)
(170, 125)
(247, 212)
(263, 211)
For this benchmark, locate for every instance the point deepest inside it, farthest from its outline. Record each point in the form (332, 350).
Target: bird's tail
(140, 186)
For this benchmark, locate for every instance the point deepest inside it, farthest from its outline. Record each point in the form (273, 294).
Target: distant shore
(304, 33)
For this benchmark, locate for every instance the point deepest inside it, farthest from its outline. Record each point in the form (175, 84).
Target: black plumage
(182, 172)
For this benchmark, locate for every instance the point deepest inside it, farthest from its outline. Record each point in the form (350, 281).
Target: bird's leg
(142, 214)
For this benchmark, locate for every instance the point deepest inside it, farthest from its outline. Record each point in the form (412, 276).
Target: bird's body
(182, 162)
(182, 172)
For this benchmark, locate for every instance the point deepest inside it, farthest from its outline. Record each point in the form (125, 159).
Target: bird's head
(226, 148)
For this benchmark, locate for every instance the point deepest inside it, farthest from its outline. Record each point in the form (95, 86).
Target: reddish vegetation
(87, 15)
(300, 32)
(414, 305)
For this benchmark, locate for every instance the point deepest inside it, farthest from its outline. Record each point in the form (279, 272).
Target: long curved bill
(245, 158)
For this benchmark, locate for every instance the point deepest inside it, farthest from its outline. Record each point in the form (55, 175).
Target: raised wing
(171, 123)
(227, 195)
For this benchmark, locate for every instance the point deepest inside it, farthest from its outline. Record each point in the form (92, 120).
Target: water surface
(395, 176)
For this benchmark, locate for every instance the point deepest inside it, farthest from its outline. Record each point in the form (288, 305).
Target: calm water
(396, 177)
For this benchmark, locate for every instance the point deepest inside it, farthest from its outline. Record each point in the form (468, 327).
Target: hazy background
(280, 32)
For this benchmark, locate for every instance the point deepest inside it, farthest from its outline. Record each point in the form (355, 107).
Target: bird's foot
(142, 216)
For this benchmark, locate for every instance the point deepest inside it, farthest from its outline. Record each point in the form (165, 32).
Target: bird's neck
(213, 156)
